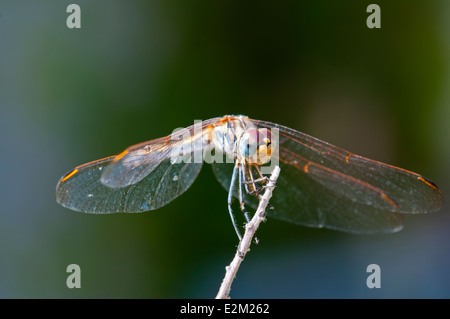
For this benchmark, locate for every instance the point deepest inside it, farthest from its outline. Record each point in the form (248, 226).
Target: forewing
(321, 185)
(404, 191)
(144, 177)
(137, 161)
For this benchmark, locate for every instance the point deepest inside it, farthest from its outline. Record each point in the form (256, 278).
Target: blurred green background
(136, 70)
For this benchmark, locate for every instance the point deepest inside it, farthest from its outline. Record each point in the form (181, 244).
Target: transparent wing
(301, 201)
(136, 162)
(144, 177)
(305, 201)
(84, 192)
(321, 185)
(337, 169)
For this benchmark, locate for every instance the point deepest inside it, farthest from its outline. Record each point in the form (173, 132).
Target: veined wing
(144, 177)
(321, 185)
(137, 161)
(338, 169)
(300, 200)
(81, 190)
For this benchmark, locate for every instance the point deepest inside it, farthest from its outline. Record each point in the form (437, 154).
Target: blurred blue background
(138, 69)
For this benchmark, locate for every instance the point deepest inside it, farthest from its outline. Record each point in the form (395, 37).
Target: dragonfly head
(256, 146)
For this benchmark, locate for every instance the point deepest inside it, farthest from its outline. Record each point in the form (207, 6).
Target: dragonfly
(320, 185)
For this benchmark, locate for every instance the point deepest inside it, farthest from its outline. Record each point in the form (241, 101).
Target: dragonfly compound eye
(256, 146)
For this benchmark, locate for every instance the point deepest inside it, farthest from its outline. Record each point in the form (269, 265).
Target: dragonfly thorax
(226, 135)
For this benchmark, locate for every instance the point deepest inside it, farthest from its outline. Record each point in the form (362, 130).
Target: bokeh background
(138, 69)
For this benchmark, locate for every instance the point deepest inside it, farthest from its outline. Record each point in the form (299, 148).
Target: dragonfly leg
(256, 190)
(262, 177)
(241, 193)
(250, 182)
(230, 200)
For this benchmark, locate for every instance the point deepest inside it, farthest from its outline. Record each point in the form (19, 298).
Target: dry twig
(244, 245)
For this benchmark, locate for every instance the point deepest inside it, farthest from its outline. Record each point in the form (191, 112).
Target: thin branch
(244, 245)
